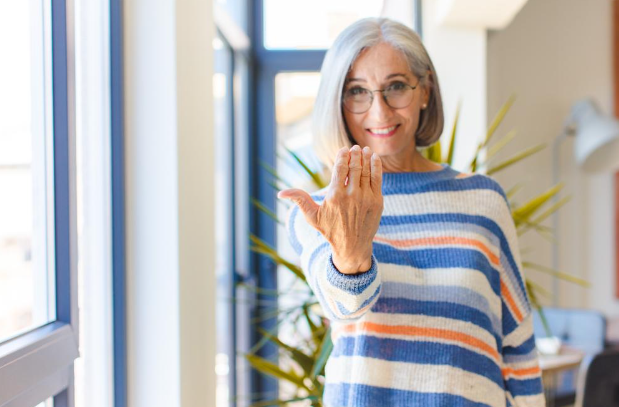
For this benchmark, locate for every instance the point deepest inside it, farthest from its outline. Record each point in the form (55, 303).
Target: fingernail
(366, 149)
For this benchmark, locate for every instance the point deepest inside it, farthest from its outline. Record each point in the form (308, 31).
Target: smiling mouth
(383, 132)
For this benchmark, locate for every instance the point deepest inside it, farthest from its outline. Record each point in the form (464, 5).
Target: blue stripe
(514, 359)
(527, 387)
(292, 235)
(361, 395)
(452, 294)
(418, 352)
(525, 348)
(344, 311)
(509, 323)
(437, 309)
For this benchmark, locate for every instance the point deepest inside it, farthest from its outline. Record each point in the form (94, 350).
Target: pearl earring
(424, 106)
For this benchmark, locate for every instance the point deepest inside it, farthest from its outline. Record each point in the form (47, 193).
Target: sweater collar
(393, 181)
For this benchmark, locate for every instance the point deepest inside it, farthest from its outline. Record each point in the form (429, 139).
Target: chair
(598, 380)
(578, 328)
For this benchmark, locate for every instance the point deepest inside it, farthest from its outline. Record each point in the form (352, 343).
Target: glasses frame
(382, 91)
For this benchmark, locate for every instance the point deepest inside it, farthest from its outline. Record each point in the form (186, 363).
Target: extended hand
(350, 213)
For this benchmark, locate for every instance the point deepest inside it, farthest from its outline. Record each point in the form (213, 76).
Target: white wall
(169, 203)
(554, 53)
(459, 57)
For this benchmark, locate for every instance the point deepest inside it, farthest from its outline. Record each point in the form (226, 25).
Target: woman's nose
(380, 110)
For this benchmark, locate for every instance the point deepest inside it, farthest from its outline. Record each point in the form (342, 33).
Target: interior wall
(554, 53)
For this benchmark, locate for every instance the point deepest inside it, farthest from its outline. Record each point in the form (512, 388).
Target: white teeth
(383, 131)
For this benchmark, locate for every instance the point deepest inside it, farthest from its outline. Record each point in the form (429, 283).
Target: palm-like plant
(306, 371)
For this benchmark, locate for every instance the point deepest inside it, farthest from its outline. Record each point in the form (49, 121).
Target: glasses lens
(357, 100)
(398, 95)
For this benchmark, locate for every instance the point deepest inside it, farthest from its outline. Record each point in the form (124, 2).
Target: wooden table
(553, 365)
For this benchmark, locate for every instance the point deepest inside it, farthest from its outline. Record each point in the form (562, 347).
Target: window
(38, 322)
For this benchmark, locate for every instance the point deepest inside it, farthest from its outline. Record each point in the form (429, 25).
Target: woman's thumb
(303, 200)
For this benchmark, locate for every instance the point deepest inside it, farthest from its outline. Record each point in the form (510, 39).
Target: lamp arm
(556, 169)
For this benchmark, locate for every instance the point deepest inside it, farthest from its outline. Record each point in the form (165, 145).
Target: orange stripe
(438, 241)
(521, 372)
(427, 332)
(510, 300)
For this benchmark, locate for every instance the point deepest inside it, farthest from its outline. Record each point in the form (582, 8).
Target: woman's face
(389, 132)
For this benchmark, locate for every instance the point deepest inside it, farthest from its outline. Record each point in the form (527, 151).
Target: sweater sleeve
(521, 372)
(343, 297)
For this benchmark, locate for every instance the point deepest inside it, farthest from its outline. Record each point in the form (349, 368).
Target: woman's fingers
(304, 201)
(376, 178)
(340, 168)
(365, 167)
(354, 167)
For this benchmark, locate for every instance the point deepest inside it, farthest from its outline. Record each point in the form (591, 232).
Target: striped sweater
(442, 317)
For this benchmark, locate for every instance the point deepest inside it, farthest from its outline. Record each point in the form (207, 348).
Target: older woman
(416, 264)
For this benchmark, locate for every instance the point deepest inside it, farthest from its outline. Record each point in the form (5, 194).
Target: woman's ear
(427, 88)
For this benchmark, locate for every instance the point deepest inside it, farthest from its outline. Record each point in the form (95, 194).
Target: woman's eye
(397, 86)
(356, 91)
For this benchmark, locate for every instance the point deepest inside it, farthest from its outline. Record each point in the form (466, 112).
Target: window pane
(26, 177)
(297, 24)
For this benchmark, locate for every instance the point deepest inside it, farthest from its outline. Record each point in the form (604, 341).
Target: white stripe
(414, 377)
(537, 400)
(470, 202)
(474, 280)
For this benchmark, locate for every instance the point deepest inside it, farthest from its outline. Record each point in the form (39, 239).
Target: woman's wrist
(350, 266)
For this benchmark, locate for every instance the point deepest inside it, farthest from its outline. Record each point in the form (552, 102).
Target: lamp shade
(596, 148)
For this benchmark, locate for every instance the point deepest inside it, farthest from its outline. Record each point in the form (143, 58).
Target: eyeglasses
(398, 95)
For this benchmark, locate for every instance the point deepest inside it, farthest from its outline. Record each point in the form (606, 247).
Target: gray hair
(328, 125)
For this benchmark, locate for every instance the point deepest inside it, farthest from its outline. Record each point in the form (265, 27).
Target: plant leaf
(272, 369)
(498, 119)
(527, 210)
(560, 274)
(266, 210)
(279, 402)
(325, 350)
(452, 140)
(518, 157)
(314, 175)
(297, 355)
(263, 248)
(499, 145)
(552, 209)
(274, 173)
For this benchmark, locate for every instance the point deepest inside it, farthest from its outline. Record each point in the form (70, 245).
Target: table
(553, 365)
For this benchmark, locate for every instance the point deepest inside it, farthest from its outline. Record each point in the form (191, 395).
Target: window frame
(38, 364)
(119, 279)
